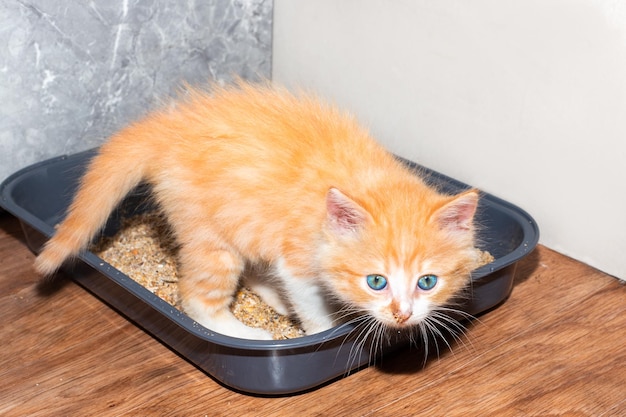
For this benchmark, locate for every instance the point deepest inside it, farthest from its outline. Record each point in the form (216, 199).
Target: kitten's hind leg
(207, 284)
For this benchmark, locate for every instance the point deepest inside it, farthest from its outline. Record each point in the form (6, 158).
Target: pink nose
(401, 316)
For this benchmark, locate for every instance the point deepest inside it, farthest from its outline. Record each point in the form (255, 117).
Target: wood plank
(554, 348)
(569, 365)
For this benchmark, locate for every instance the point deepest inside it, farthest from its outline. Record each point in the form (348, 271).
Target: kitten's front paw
(241, 331)
(316, 328)
(254, 334)
(228, 325)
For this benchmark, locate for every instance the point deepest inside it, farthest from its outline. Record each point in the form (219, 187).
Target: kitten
(254, 174)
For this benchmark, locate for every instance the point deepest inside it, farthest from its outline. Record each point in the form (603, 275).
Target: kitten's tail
(113, 173)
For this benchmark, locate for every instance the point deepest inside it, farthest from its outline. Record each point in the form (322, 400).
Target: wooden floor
(556, 347)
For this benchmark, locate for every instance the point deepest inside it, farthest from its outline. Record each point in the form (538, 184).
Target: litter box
(40, 194)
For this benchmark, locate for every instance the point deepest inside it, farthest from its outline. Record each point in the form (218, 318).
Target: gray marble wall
(73, 72)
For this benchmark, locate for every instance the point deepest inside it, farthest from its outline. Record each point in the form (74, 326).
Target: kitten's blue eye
(376, 282)
(427, 282)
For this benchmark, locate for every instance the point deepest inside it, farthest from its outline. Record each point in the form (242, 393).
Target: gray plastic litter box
(40, 194)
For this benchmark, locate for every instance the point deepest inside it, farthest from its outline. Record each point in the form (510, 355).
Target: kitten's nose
(402, 316)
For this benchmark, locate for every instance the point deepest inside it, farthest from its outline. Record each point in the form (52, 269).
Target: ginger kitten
(254, 174)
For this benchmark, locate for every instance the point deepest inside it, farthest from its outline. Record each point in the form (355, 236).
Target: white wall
(524, 99)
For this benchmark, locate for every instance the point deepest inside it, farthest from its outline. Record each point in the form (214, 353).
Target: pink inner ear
(344, 215)
(458, 215)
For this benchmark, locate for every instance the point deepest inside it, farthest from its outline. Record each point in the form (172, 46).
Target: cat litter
(40, 194)
(144, 250)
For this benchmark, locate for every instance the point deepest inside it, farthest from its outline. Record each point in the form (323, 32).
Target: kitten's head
(402, 256)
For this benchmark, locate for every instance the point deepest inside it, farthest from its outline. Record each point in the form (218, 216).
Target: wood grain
(554, 348)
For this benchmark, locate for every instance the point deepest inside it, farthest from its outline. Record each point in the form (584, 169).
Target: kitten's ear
(345, 217)
(457, 215)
